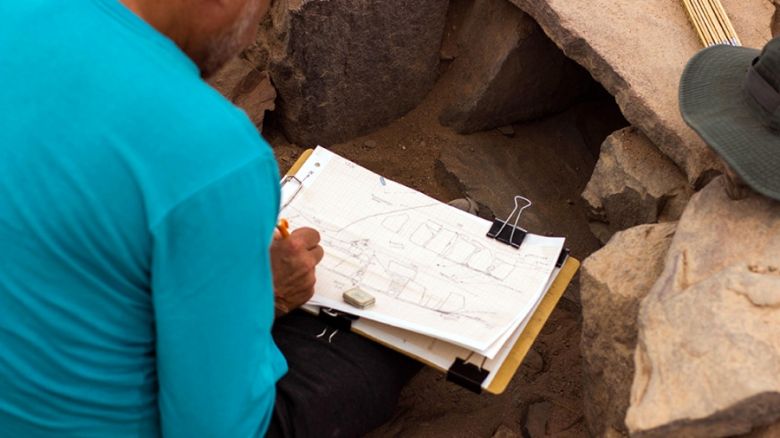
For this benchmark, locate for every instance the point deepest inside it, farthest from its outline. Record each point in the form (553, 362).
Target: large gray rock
(241, 82)
(613, 282)
(708, 353)
(343, 68)
(632, 184)
(637, 50)
(507, 70)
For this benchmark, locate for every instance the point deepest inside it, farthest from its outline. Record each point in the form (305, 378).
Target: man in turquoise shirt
(137, 208)
(138, 271)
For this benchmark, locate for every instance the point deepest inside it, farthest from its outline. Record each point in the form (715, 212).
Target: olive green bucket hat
(729, 96)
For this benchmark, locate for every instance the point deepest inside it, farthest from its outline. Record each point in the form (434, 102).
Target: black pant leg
(342, 388)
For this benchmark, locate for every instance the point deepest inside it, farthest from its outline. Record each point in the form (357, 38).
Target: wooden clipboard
(534, 327)
(526, 339)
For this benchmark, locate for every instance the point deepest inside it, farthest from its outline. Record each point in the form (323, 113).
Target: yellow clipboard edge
(534, 327)
(299, 162)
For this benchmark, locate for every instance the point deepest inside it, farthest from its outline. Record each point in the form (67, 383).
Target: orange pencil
(283, 226)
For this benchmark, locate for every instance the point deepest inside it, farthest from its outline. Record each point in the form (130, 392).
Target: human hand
(293, 262)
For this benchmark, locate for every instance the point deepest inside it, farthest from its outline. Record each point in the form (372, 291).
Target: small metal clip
(499, 231)
(289, 188)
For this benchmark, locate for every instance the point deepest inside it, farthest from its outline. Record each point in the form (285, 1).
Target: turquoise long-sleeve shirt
(137, 207)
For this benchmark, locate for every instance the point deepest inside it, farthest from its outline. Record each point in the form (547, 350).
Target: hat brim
(713, 103)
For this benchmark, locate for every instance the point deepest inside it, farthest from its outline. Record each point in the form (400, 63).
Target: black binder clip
(336, 319)
(467, 374)
(562, 257)
(512, 235)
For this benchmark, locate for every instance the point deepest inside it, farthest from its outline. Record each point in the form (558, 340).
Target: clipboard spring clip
(512, 235)
(290, 186)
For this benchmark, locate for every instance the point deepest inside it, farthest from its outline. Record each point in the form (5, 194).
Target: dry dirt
(545, 397)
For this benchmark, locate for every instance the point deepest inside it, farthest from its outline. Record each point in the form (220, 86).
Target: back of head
(210, 32)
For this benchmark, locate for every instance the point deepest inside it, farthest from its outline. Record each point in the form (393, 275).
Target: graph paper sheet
(429, 265)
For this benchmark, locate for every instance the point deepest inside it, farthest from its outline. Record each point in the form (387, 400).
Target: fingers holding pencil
(294, 258)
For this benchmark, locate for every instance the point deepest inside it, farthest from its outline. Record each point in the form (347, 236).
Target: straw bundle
(711, 22)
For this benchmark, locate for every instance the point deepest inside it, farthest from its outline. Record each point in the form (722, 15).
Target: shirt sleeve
(212, 290)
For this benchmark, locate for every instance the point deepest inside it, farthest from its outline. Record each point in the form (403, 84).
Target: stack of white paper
(430, 266)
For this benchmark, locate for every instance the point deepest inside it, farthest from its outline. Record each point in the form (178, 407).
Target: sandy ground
(545, 397)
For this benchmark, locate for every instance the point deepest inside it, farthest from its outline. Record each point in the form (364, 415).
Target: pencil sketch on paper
(428, 264)
(350, 259)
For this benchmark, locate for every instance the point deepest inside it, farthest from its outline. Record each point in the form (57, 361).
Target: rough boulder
(343, 68)
(637, 50)
(611, 292)
(708, 352)
(633, 184)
